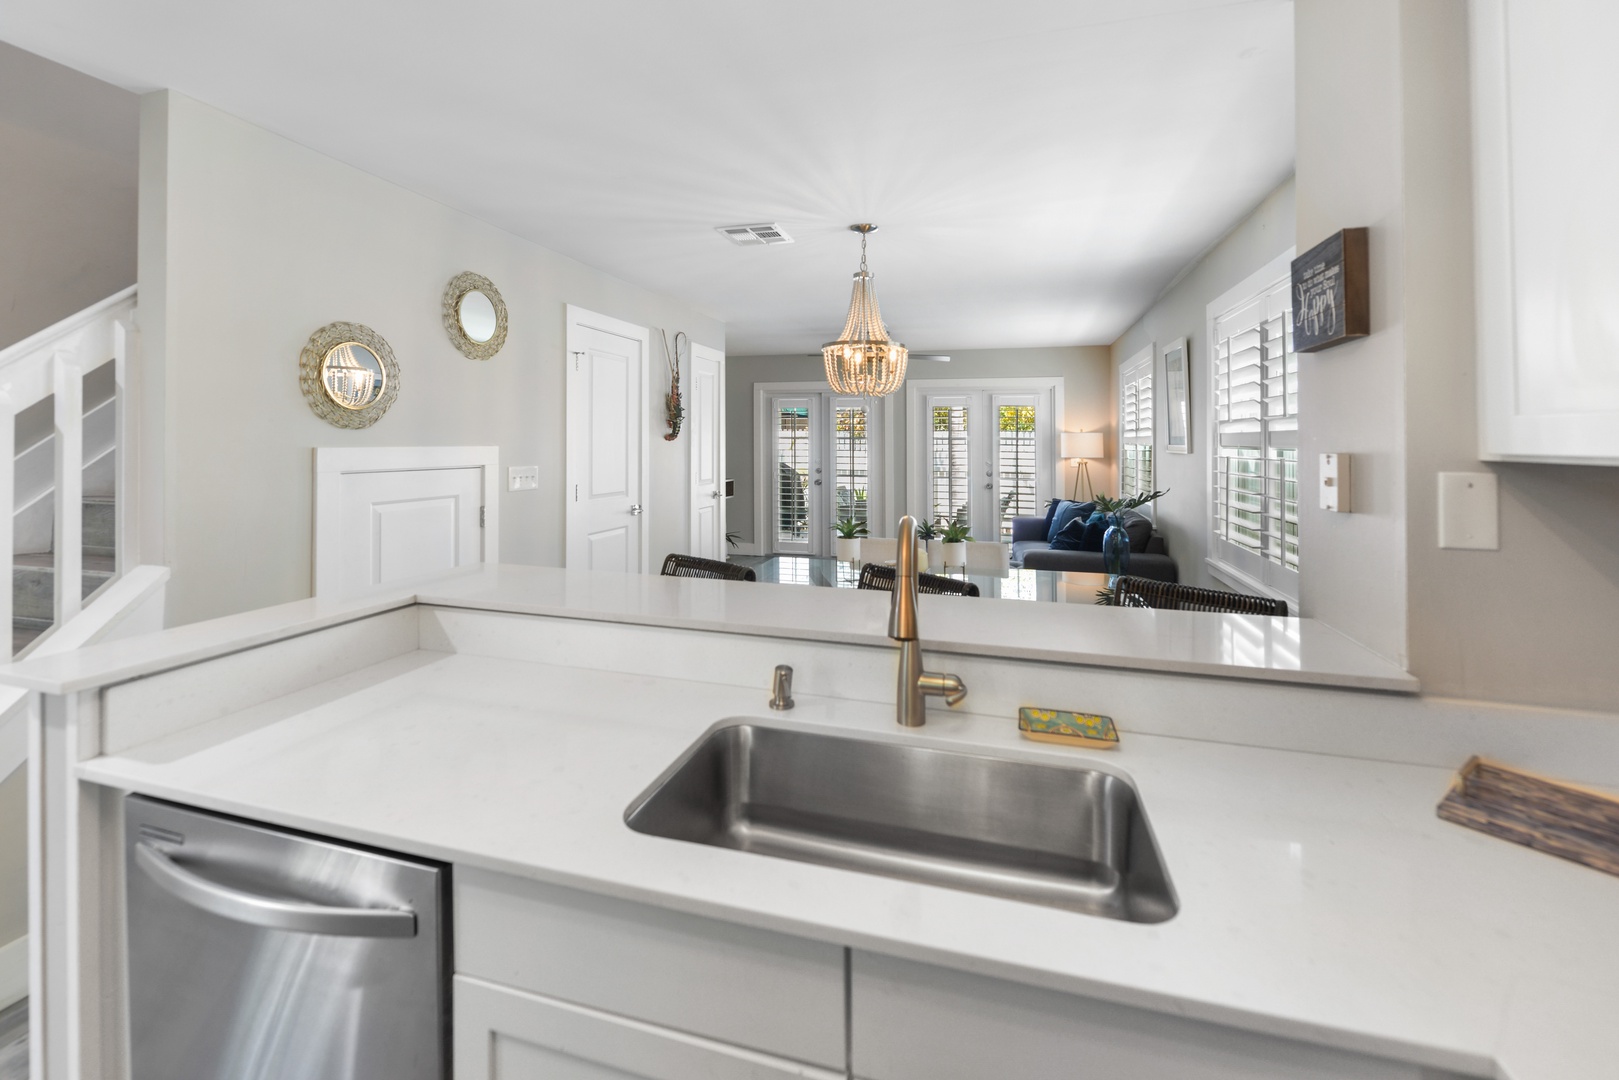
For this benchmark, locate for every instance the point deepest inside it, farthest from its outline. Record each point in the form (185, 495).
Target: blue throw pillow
(1071, 536)
(1095, 529)
(1051, 509)
(1067, 511)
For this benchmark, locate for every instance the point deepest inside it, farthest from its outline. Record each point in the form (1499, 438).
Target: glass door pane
(851, 456)
(949, 465)
(795, 518)
(1016, 468)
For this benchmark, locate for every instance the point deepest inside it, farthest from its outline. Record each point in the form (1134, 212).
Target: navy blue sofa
(1031, 551)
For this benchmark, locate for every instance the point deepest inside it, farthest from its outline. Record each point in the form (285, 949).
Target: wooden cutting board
(1565, 820)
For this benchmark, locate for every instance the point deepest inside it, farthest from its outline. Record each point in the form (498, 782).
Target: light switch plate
(522, 477)
(1469, 514)
(1335, 482)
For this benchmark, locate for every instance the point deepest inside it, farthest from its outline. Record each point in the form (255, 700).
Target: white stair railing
(54, 361)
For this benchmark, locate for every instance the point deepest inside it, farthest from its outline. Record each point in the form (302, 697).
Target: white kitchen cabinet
(773, 993)
(916, 1022)
(503, 1034)
(1546, 164)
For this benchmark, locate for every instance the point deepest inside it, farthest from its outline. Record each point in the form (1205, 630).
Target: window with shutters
(1135, 424)
(1255, 403)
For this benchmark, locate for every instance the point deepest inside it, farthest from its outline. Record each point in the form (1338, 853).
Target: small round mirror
(477, 316)
(474, 315)
(352, 376)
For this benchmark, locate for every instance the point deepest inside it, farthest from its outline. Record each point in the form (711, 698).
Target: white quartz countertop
(1320, 897)
(1300, 651)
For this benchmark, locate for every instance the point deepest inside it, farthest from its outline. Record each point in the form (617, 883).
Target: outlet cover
(1469, 514)
(522, 477)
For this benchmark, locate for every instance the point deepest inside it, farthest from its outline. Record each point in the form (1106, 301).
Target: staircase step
(33, 584)
(100, 523)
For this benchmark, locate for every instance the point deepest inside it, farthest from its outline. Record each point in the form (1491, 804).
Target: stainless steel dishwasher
(256, 954)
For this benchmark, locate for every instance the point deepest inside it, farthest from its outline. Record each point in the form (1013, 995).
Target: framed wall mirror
(474, 316)
(348, 374)
(1177, 404)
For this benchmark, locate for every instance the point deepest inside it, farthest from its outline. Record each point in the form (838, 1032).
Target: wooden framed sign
(1331, 294)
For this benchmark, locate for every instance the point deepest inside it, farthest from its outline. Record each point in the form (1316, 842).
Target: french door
(824, 452)
(982, 457)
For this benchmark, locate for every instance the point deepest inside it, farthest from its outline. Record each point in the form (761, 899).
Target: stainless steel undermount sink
(1065, 836)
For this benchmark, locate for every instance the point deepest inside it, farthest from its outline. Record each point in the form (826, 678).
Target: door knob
(717, 495)
(817, 483)
(635, 510)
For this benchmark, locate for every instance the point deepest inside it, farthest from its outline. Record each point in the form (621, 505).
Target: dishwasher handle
(268, 912)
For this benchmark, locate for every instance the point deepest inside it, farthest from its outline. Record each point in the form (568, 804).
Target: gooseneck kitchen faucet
(915, 685)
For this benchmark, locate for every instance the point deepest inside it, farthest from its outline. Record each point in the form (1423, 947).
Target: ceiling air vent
(754, 235)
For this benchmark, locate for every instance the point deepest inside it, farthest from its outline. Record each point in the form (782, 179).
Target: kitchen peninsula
(503, 721)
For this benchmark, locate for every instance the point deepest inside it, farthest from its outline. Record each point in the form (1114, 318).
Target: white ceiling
(1040, 169)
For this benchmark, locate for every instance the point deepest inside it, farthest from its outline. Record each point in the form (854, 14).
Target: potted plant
(954, 538)
(1115, 542)
(927, 537)
(849, 531)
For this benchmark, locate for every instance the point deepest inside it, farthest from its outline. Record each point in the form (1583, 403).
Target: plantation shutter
(1255, 382)
(1135, 425)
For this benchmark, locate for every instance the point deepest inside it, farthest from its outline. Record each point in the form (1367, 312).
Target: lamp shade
(1082, 444)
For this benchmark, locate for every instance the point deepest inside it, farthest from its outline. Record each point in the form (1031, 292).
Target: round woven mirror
(348, 374)
(474, 315)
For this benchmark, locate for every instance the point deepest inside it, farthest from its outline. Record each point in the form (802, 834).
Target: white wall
(249, 243)
(68, 146)
(1087, 402)
(1182, 514)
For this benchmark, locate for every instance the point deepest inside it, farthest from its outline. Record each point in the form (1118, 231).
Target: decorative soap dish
(1068, 728)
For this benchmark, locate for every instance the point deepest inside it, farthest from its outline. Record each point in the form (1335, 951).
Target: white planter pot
(922, 559)
(848, 549)
(936, 552)
(954, 554)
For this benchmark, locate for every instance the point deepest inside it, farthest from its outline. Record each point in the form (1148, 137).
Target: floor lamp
(1081, 447)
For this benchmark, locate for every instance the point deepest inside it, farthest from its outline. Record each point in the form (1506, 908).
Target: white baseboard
(13, 972)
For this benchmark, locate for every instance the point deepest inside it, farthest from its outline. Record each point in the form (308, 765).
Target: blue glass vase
(1115, 547)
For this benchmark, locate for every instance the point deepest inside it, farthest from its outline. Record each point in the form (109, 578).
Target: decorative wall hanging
(348, 374)
(1331, 292)
(863, 361)
(474, 315)
(674, 410)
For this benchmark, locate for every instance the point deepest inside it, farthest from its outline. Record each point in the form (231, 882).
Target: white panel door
(705, 423)
(607, 445)
(400, 526)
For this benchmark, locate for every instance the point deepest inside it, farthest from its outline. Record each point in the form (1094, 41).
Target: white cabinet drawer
(505, 1034)
(916, 1022)
(769, 992)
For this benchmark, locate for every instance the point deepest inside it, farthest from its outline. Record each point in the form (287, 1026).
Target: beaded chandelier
(863, 361)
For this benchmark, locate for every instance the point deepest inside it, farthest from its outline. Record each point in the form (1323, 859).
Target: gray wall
(1537, 621)
(1182, 514)
(68, 148)
(249, 243)
(1383, 122)
(1350, 171)
(13, 856)
(1087, 398)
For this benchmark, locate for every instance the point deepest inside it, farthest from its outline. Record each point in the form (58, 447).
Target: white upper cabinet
(1546, 173)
